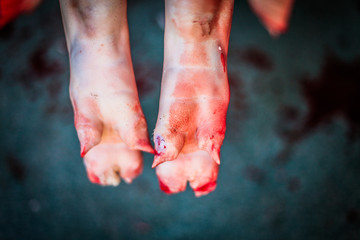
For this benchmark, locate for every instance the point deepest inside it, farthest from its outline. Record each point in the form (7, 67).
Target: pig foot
(109, 121)
(10, 9)
(274, 14)
(194, 95)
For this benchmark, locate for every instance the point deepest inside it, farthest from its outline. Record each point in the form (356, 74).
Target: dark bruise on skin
(334, 93)
(15, 167)
(256, 58)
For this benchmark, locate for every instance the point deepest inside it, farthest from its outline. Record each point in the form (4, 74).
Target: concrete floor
(290, 161)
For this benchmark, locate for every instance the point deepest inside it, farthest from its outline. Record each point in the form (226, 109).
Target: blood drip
(223, 61)
(207, 187)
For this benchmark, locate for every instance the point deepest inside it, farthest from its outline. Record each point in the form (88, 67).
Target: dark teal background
(290, 161)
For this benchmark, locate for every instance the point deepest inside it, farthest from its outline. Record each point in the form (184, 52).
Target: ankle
(100, 49)
(210, 54)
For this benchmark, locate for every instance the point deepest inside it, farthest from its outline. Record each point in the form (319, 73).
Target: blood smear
(223, 60)
(206, 187)
(93, 178)
(164, 188)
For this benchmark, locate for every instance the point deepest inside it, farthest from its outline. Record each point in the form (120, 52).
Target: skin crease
(194, 97)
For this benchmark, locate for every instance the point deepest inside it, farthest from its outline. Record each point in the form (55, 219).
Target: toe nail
(215, 155)
(128, 180)
(158, 159)
(145, 146)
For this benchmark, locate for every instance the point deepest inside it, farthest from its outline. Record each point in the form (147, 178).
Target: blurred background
(290, 160)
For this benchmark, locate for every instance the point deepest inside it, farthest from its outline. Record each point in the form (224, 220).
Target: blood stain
(54, 88)
(7, 31)
(256, 58)
(41, 65)
(289, 114)
(15, 167)
(164, 187)
(294, 184)
(206, 187)
(146, 74)
(237, 90)
(254, 174)
(223, 61)
(352, 216)
(334, 93)
(93, 178)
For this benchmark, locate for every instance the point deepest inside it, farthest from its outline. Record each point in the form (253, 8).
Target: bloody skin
(194, 95)
(274, 14)
(109, 121)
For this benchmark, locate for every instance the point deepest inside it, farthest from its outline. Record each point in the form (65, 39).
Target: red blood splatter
(146, 74)
(41, 65)
(93, 178)
(54, 88)
(207, 187)
(164, 187)
(255, 174)
(15, 167)
(255, 57)
(334, 93)
(223, 61)
(352, 216)
(294, 184)
(238, 93)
